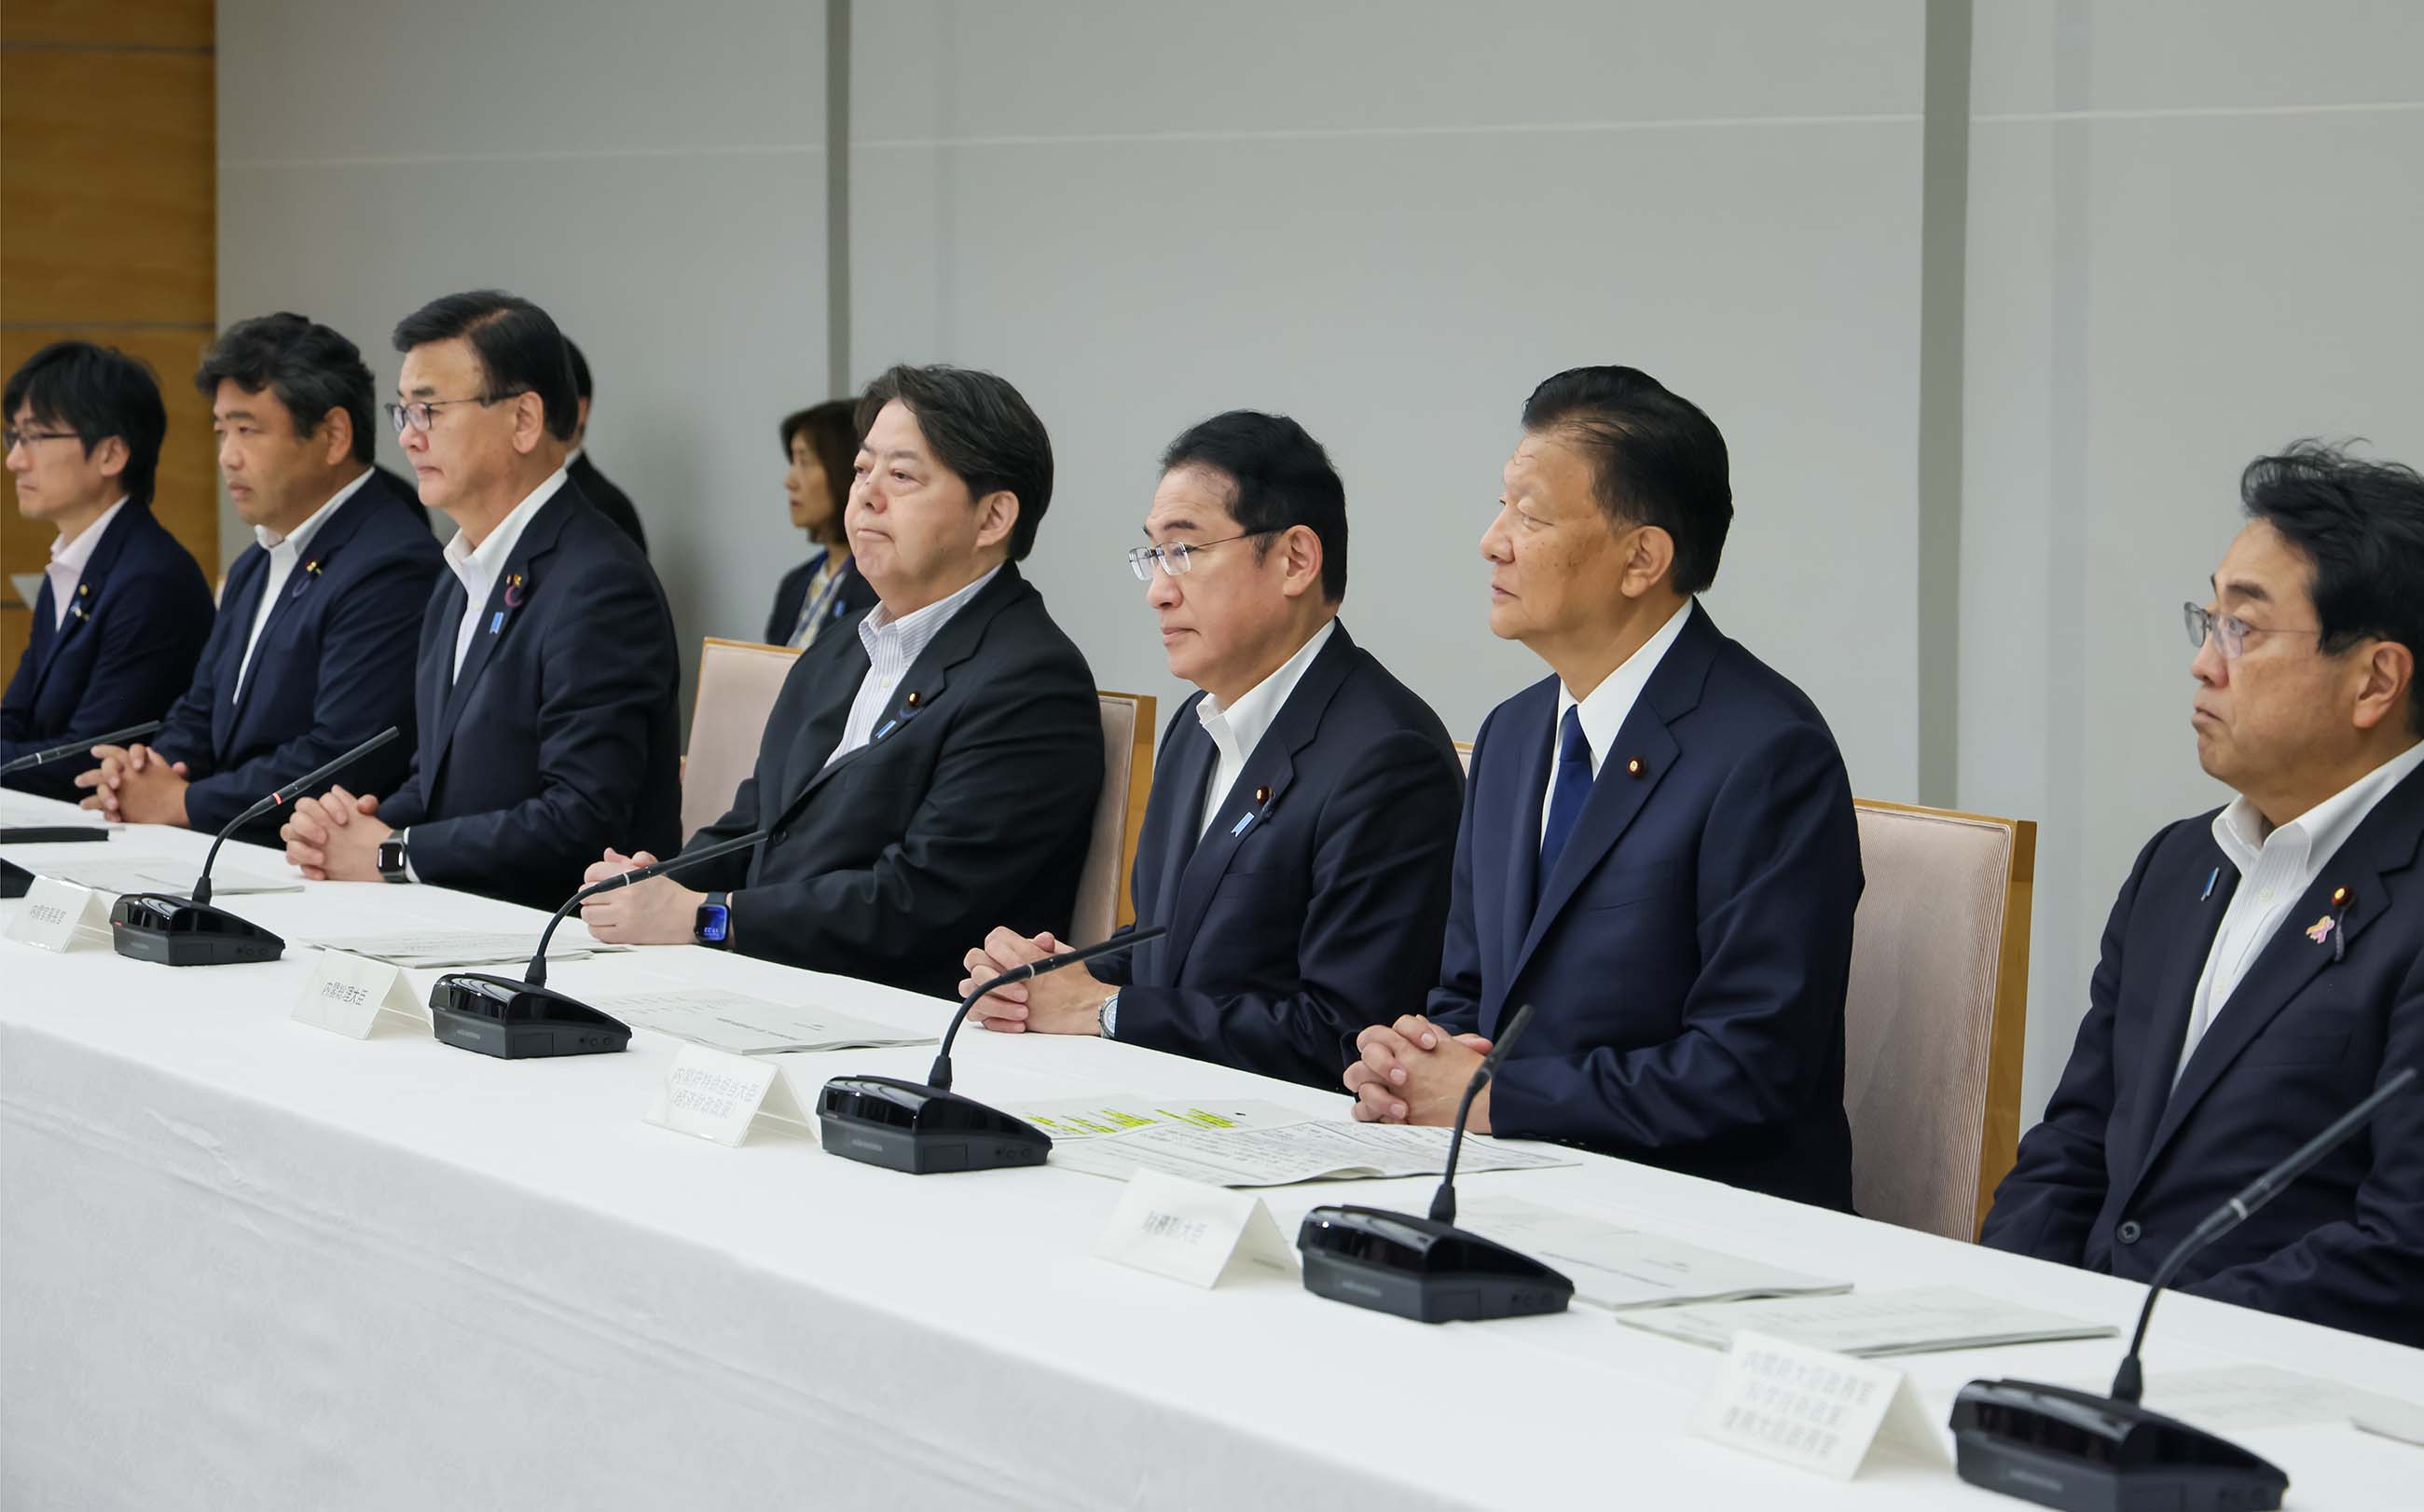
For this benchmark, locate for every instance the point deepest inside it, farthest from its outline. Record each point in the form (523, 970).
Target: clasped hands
(135, 785)
(1067, 1001)
(1415, 1071)
(659, 911)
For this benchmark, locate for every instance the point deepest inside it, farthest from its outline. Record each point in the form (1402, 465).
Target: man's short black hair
(582, 387)
(981, 428)
(98, 392)
(2361, 524)
(831, 432)
(1283, 478)
(1656, 459)
(520, 351)
(312, 369)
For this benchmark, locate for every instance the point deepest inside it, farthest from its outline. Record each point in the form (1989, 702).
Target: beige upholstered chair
(1464, 756)
(1933, 1026)
(737, 684)
(1103, 901)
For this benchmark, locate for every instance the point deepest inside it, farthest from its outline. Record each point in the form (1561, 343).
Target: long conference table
(249, 1262)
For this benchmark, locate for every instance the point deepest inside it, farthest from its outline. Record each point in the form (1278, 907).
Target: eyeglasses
(1178, 556)
(2229, 631)
(13, 436)
(419, 414)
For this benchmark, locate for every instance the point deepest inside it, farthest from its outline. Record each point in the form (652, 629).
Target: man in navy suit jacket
(2263, 970)
(1657, 850)
(123, 609)
(1299, 839)
(543, 692)
(314, 653)
(929, 766)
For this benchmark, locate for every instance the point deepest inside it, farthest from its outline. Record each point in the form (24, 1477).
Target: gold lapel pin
(1635, 768)
(1262, 795)
(913, 698)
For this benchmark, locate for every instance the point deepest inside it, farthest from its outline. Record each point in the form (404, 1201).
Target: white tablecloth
(245, 1262)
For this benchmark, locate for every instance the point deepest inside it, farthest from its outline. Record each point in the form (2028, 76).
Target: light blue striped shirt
(892, 647)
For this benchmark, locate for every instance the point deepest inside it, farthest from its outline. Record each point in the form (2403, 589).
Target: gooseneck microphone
(1428, 1268)
(923, 1127)
(43, 758)
(2071, 1449)
(1444, 1201)
(524, 1018)
(189, 932)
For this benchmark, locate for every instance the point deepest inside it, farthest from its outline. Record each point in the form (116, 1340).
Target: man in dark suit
(543, 690)
(1302, 829)
(123, 609)
(935, 768)
(314, 653)
(2263, 970)
(612, 502)
(1657, 849)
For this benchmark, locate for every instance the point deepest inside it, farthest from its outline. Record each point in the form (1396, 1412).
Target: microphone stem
(1444, 1201)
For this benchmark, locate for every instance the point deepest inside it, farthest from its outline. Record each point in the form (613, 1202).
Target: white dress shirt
(1609, 705)
(68, 559)
(478, 568)
(2275, 870)
(284, 551)
(892, 646)
(1238, 728)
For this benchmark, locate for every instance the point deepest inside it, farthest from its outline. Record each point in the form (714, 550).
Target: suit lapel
(1262, 782)
(1188, 762)
(2385, 843)
(436, 673)
(237, 602)
(507, 603)
(303, 582)
(2189, 920)
(88, 585)
(1529, 732)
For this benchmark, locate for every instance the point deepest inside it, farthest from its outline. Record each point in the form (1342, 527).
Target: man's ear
(997, 517)
(1648, 559)
(2385, 686)
(111, 454)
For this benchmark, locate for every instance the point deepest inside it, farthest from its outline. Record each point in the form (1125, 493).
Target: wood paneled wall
(108, 217)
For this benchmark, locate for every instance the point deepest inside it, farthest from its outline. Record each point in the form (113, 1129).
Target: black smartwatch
(712, 925)
(392, 857)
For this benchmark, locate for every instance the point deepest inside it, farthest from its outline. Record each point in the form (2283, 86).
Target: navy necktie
(1567, 793)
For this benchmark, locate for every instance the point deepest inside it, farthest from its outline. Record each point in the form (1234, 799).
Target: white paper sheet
(745, 1026)
(2237, 1398)
(1251, 1143)
(1905, 1321)
(421, 949)
(150, 874)
(1621, 1267)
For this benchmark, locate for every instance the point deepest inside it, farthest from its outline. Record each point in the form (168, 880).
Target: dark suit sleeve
(1779, 877)
(610, 665)
(150, 638)
(1369, 944)
(2372, 1264)
(366, 662)
(2048, 1202)
(1027, 755)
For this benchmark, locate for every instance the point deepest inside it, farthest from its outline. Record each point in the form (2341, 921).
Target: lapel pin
(913, 699)
(1245, 823)
(2335, 923)
(2210, 879)
(83, 589)
(2321, 929)
(1262, 795)
(514, 594)
(1635, 768)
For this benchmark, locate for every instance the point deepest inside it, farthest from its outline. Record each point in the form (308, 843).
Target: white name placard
(1191, 1231)
(352, 995)
(717, 1095)
(60, 915)
(1814, 1409)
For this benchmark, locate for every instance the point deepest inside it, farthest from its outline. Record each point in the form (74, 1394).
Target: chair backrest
(1464, 756)
(1103, 901)
(737, 684)
(1935, 1019)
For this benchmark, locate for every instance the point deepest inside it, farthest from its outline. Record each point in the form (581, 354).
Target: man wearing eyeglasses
(930, 766)
(2261, 972)
(314, 651)
(544, 685)
(123, 609)
(1298, 843)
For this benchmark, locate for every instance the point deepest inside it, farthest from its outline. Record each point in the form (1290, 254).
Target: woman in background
(822, 443)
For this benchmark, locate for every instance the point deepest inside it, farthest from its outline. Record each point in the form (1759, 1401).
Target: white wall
(2192, 238)
(654, 179)
(1390, 221)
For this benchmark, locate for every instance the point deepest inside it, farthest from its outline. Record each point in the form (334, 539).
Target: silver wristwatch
(1107, 1018)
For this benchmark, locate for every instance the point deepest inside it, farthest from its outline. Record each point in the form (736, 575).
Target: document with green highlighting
(1252, 1143)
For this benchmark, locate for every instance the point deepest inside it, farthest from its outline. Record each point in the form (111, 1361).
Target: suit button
(2128, 1231)
(780, 835)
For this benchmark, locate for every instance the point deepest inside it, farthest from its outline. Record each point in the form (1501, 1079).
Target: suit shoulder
(1382, 703)
(1025, 634)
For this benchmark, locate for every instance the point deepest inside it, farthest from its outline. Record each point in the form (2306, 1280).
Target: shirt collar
(478, 566)
(2321, 830)
(918, 625)
(1606, 710)
(75, 554)
(301, 534)
(1240, 727)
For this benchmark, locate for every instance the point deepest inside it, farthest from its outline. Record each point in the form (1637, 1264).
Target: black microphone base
(2084, 1453)
(512, 1020)
(15, 881)
(1421, 1269)
(169, 930)
(49, 835)
(907, 1126)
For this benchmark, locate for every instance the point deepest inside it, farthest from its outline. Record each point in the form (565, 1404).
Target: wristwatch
(1107, 1018)
(712, 925)
(394, 859)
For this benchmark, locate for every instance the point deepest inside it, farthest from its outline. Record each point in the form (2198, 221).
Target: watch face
(712, 918)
